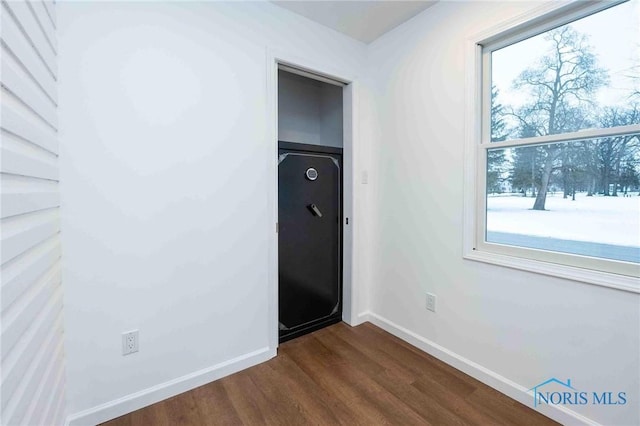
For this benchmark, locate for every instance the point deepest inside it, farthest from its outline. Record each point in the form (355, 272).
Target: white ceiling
(362, 20)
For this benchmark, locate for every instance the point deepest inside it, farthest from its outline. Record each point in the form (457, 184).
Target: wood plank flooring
(341, 375)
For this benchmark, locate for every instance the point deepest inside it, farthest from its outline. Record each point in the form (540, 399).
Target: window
(556, 154)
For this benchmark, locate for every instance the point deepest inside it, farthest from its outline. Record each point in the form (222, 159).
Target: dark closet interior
(310, 186)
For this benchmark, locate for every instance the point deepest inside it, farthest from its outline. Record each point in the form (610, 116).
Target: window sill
(603, 279)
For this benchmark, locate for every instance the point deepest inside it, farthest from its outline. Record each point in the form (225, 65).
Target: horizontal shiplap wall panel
(27, 55)
(17, 406)
(21, 272)
(17, 319)
(51, 10)
(42, 15)
(19, 163)
(21, 203)
(21, 125)
(21, 233)
(17, 409)
(25, 18)
(56, 411)
(25, 194)
(15, 144)
(44, 397)
(18, 387)
(14, 78)
(23, 353)
(32, 355)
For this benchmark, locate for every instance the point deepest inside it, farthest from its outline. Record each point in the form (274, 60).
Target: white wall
(521, 326)
(165, 169)
(309, 111)
(331, 100)
(165, 162)
(32, 366)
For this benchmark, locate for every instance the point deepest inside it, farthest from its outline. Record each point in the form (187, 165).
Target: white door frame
(349, 286)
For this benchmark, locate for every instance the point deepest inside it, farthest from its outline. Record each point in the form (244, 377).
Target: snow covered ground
(608, 220)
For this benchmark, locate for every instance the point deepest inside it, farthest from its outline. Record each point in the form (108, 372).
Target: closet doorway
(310, 202)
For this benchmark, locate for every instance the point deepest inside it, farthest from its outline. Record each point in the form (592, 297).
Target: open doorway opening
(311, 200)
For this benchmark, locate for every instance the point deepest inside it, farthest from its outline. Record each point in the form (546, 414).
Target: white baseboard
(146, 397)
(513, 390)
(360, 318)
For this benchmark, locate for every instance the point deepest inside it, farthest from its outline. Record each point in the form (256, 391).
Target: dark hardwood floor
(341, 375)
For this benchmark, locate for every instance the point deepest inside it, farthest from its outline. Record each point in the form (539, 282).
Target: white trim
(364, 317)
(349, 157)
(485, 81)
(275, 57)
(271, 114)
(565, 137)
(617, 274)
(529, 17)
(311, 75)
(472, 128)
(588, 276)
(135, 401)
(490, 378)
(611, 274)
(545, 18)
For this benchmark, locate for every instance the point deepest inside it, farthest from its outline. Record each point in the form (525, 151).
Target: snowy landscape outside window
(560, 145)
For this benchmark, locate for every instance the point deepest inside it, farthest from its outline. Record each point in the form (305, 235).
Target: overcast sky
(614, 35)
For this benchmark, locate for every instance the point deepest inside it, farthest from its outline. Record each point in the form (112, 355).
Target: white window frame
(603, 272)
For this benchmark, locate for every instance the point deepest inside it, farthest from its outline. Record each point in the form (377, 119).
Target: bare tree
(560, 89)
(634, 75)
(496, 158)
(617, 152)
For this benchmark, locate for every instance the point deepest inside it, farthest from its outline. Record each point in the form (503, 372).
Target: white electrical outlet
(431, 302)
(129, 342)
